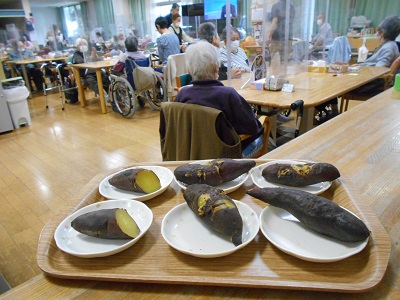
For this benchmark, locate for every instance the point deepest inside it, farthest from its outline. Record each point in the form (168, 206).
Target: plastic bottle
(362, 52)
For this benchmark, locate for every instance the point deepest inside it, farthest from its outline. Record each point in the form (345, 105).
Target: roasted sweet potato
(300, 175)
(318, 213)
(136, 180)
(216, 210)
(216, 172)
(113, 223)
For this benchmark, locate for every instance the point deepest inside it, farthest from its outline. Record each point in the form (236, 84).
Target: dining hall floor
(44, 165)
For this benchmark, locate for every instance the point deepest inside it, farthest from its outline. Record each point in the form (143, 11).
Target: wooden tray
(259, 264)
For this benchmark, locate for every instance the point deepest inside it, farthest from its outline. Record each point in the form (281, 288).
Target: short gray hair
(207, 31)
(81, 42)
(202, 59)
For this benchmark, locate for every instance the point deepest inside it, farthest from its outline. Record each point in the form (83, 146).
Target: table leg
(101, 91)
(26, 80)
(307, 122)
(81, 92)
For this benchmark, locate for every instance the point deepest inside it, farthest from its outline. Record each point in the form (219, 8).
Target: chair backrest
(183, 80)
(340, 50)
(394, 67)
(192, 132)
(176, 65)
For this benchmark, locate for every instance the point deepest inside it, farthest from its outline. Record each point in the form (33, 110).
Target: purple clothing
(237, 111)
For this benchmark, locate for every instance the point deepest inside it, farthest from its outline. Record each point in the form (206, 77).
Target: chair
(176, 66)
(183, 80)
(200, 129)
(355, 95)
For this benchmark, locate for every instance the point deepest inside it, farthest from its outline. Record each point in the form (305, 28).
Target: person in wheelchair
(122, 66)
(81, 55)
(202, 62)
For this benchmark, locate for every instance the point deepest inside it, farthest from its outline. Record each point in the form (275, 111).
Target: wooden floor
(44, 165)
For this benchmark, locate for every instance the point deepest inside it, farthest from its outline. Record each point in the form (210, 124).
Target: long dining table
(363, 143)
(97, 66)
(313, 88)
(23, 64)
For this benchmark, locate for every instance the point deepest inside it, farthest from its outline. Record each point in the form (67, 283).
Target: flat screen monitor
(216, 9)
(193, 10)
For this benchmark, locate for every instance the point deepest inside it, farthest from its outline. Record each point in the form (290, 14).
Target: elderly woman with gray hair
(82, 55)
(202, 62)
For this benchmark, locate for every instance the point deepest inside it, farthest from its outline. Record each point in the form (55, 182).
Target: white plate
(298, 240)
(261, 182)
(110, 192)
(183, 231)
(73, 242)
(227, 187)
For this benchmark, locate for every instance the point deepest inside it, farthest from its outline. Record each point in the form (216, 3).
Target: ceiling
(52, 3)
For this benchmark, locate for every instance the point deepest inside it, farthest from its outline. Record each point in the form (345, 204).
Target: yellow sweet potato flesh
(115, 223)
(136, 180)
(148, 181)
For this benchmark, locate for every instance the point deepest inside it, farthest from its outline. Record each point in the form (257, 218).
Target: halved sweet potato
(318, 213)
(300, 175)
(216, 172)
(136, 180)
(113, 223)
(215, 209)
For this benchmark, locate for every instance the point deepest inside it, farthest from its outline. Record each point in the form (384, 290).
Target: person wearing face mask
(324, 37)
(208, 32)
(202, 62)
(238, 56)
(19, 52)
(82, 55)
(180, 33)
(384, 55)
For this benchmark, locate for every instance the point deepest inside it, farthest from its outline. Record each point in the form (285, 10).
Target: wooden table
(363, 143)
(23, 64)
(313, 88)
(97, 66)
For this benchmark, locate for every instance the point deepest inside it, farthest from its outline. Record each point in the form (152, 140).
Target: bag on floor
(70, 95)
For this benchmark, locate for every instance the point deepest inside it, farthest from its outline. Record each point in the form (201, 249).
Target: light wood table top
(363, 143)
(97, 66)
(313, 88)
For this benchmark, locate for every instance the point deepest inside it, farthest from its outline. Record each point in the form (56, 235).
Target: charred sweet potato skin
(125, 180)
(215, 173)
(300, 175)
(318, 213)
(101, 223)
(215, 209)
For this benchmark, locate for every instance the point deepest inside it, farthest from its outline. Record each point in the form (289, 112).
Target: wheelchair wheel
(123, 97)
(157, 94)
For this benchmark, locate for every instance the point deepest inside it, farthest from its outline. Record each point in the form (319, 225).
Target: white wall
(44, 18)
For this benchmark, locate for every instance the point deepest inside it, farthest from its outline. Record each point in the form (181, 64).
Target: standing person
(82, 55)
(18, 52)
(180, 33)
(167, 43)
(276, 36)
(99, 38)
(174, 10)
(208, 32)
(324, 37)
(59, 39)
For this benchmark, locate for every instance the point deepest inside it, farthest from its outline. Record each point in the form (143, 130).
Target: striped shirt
(238, 59)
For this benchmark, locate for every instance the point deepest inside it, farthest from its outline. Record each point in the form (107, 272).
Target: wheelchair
(124, 97)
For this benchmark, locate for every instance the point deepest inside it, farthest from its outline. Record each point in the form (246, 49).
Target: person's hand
(183, 48)
(236, 72)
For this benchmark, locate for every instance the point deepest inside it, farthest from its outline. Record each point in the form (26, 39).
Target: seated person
(202, 62)
(167, 43)
(82, 55)
(147, 39)
(238, 56)
(208, 32)
(18, 52)
(324, 37)
(384, 55)
(180, 33)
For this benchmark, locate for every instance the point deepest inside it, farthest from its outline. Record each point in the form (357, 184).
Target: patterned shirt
(238, 59)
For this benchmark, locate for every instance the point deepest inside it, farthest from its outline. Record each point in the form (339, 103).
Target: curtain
(376, 11)
(105, 16)
(139, 17)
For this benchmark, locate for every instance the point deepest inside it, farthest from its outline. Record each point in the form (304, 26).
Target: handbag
(144, 78)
